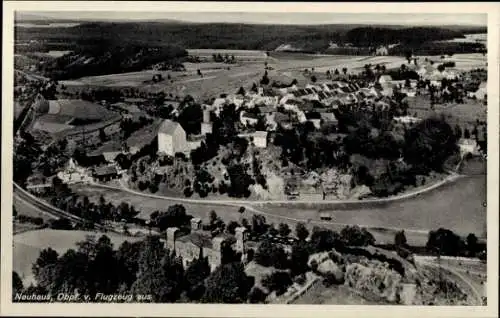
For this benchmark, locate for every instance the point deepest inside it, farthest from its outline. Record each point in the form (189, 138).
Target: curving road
(29, 200)
(250, 205)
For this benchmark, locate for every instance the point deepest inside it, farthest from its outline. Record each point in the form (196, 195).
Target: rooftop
(105, 170)
(168, 127)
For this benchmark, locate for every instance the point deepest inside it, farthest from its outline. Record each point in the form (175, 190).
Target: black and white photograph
(253, 158)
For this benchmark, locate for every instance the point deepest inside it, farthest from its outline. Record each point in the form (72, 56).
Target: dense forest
(232, 36)
(99, 48)
(107, 59)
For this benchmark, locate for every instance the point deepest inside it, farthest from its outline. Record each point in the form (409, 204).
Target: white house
(382, 50)
(407, 119)
(258, 138)
(468, 146)
(385, 79)
(171, 138)
(482, 91)
(206, 128)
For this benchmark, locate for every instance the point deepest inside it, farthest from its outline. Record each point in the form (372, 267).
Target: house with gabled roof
(385, 79)
(171, 138)
(248, 118)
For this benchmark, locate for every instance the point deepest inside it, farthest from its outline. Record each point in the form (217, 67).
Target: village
(261, 114)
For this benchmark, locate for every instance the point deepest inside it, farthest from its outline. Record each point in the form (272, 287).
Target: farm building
(247, 118)
(105, 173)
(283, 120)
(72, 173)
(171, 138)
(328, 117)
(407, 119)
(382, 50)
(258, 138)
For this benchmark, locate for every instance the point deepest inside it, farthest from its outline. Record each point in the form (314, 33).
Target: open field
(464, 114)
(27, 246)
(471, 38)
(463, 62)
(219, 79)
(27, 209)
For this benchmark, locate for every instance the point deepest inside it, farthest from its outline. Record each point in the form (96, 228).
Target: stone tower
(217, 248)
(240, 239)
(171, 237)
(195, 224)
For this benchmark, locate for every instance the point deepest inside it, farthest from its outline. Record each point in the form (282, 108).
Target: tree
(190, 118)
(278, 282)
(472, 244)
(61, 224)
(199, 73)
(47, 257)
(301, 231)
(283, 229)
(259, 225)
(445, 242)
(254, 88)
(241, 91)
(466, 133)
(458, 131)
(102, 135)
(257, 296)
(400, 239)
(160, 272)
(128, 260)
(336, 72)
(313, 79)
(195, 275)
(17, 284)
(175, 216)
(299, 258)
(429, 144)
(408, 56)
(228, 284)
(324, 240)
(344, 70)
(270, 254)
(441, 68)
(231, 227)
(212, 217)
(356, 236)
(265, 79)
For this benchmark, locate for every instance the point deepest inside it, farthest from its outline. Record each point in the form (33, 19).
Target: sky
(276, 18)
